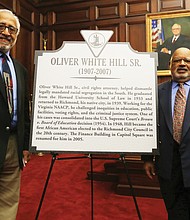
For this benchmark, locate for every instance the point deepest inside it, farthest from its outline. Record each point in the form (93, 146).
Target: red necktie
(179, 111)
(8, 82)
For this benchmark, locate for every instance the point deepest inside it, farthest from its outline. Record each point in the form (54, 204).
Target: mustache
(182, 68)
(5, 37)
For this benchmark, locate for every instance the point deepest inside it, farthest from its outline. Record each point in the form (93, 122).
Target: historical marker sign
(95, 96)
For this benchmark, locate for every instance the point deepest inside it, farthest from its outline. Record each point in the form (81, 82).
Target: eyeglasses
(185, 60)
(11, 29)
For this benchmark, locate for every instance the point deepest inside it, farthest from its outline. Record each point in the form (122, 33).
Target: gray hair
(16, 18)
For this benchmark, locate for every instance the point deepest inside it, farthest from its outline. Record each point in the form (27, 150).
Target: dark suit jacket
(166, 142)
(163, 58)
(22, 112)
(180, 42)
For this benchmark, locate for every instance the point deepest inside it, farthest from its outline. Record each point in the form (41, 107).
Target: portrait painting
(166, 32)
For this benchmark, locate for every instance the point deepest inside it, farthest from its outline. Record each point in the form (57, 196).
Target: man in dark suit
(14, 121)
(170, 45)
(173, 163)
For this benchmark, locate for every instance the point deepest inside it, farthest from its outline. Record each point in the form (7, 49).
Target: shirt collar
(7, 54)
(175, 84)
(187, 83)
(176, 36)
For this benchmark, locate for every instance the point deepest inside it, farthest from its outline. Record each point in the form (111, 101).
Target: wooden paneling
(58, 21)
(28, 37)
(73, 35)
(125, 17)
(107, 11)
(187, 4)
(25, 56)
(107, 15)
(82, 14)
(168, 5)
(136, 43)
(137, 8)
(6, 4)
(24, 11)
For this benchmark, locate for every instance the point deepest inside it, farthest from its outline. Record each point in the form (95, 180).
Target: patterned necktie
(174, 40)
(179, 111)
(8, 82)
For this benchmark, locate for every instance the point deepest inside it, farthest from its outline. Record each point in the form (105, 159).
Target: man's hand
(26, 157)
(165, 50)
(149, 169)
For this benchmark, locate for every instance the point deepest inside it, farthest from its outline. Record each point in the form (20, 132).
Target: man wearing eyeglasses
(174, 42)
(14, 117)
(173, 163)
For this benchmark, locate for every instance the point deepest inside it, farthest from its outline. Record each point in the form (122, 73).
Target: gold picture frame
(159, 26)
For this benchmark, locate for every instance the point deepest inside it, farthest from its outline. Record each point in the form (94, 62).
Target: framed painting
(165, 32)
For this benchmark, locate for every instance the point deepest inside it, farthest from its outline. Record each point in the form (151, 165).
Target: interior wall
(28, 39)
(55, 21)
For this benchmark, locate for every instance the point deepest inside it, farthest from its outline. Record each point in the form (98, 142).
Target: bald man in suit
(173, 163)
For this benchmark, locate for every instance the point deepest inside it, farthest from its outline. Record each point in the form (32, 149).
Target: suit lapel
(2, 88)
(19, 83)
(186, 123)
(17, 72)
(165, 104)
